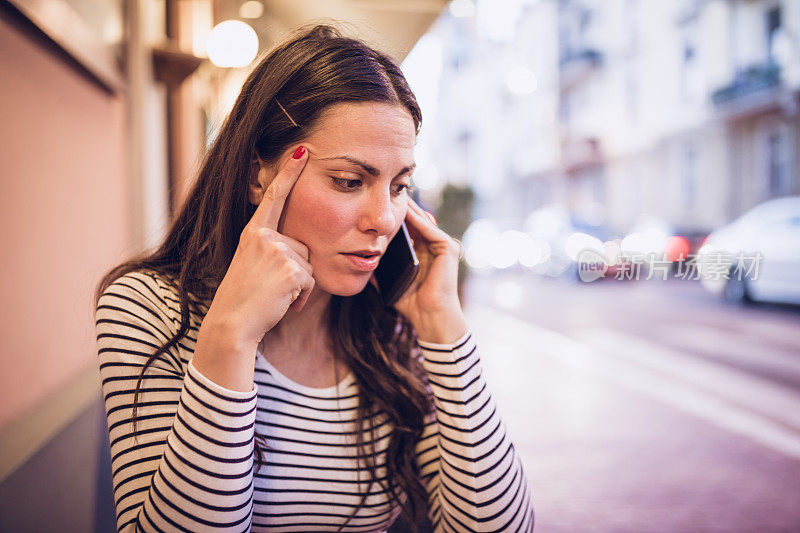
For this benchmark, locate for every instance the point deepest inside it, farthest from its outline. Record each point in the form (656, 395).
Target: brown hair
(312, 70)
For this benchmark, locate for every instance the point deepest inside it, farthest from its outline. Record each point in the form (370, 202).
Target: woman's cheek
(305, 211)
(332, 219)
(326, 215)
(400, 215)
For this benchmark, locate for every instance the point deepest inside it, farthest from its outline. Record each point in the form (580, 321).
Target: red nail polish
(298, 153)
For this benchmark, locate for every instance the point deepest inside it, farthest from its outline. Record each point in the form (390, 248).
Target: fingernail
(433, 218)
(298, 153)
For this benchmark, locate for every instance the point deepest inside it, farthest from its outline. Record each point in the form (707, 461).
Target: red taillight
(677, 248)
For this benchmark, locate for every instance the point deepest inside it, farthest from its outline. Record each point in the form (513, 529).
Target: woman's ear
(258, 181)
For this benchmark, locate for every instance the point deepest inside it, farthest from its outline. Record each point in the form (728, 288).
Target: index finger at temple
(269, 210)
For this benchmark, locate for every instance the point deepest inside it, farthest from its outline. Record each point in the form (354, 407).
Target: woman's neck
(304, 334)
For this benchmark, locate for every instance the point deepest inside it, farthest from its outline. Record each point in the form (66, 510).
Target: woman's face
(351, 194)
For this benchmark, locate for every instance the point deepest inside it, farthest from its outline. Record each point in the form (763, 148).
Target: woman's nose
(378, 214)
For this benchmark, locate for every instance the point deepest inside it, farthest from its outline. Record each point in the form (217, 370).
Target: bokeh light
(232, 43)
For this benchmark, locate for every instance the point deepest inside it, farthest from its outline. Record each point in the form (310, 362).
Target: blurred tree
(454, 217)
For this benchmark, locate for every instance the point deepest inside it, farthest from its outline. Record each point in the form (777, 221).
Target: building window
(778, 164)
(773, 24)
(688, 73)
(691, 78)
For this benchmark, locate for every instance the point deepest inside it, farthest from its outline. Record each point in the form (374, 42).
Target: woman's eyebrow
(369, 169)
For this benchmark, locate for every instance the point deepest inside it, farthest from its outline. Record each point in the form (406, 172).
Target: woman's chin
(344, 285)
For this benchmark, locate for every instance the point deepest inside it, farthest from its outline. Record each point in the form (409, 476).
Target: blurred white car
(758, 255)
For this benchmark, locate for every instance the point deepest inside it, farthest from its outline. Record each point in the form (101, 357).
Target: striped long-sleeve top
(190, 467)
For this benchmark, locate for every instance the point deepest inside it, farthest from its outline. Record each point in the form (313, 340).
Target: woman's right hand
(269, 271)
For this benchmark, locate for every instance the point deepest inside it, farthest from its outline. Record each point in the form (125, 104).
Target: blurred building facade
(683, 110)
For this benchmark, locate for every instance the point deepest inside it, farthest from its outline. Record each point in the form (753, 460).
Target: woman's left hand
(431, 301)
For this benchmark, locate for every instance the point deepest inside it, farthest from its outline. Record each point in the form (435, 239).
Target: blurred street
(644, 406)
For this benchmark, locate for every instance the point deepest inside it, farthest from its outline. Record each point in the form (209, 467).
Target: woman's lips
(363, 264)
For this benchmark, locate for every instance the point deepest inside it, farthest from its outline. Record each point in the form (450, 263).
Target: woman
(254, 331)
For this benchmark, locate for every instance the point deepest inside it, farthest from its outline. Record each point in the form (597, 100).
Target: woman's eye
(352, 185)
(403, 186)
(346, 184)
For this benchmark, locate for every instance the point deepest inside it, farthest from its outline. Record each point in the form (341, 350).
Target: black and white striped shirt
(191, 465)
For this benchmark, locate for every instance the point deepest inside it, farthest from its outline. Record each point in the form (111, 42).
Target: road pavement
(644, 406)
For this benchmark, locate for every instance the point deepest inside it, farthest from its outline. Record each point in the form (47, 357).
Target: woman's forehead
(349, 127)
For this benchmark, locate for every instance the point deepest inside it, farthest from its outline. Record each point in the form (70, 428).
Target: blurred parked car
(758, 254)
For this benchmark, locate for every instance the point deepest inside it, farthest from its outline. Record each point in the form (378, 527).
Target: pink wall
(63, 213)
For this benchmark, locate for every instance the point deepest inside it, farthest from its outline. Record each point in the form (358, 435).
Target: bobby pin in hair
(287, 114)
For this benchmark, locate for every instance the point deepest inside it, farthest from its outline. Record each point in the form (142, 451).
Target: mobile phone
(397, 268)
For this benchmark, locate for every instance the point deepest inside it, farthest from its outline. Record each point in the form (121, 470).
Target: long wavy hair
(313, 69)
